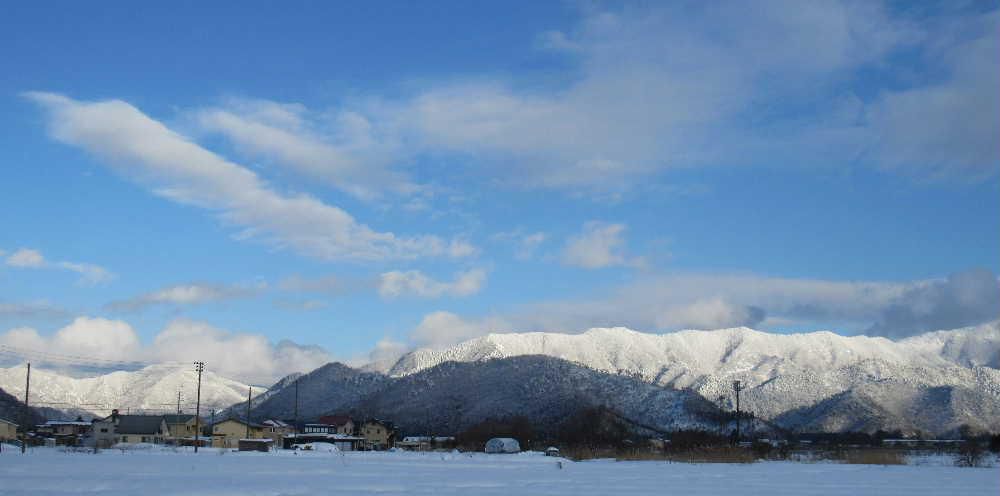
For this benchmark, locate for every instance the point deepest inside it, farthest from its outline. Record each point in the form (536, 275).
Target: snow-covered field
(48, 471)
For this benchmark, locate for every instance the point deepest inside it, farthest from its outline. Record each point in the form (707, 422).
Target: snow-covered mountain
(451, 397)
(948, 377)
(151, 389)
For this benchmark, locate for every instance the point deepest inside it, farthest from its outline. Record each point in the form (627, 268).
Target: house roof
(139, 424)
(11, 422)
(383, 423)
(276, 423)
(337, 420)
(241, 421)
(178, 419)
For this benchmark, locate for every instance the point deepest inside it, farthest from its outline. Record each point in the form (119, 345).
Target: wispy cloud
(668, 86)
(353, 158)
(396, 283)
(90, 274)
(320, 284)
(178, 169)
(525, 244)
(599, 245)
(186, 295)
(658, 303)
(31, 310)
(301, 305)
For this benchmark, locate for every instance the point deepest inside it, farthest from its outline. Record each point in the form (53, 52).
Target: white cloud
(439, 329)
(713, 301)
(184, 172)
(29, 310)
(247, 357)
(98, 338)
(396, 283)
(321, 284)
(89, 273)
(712, 313)
(187, 294)
(670, 302)
(26, 258)
(599, 245)
(525, 244)
(529, 243)
(947, 128)
(962, 299)
(670, 85)
(651, 88)
(386, 352)
(241, 356)
(301, 305)
(24, 338)
(353, 160)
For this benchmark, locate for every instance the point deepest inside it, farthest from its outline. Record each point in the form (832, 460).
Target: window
(104, 429)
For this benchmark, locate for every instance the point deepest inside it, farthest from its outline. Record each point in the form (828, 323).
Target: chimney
(114, 416)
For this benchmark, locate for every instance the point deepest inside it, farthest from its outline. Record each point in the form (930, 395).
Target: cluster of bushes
(518, 427)
(601, 432)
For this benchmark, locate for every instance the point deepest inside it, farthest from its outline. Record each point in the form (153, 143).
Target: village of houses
(124, 430)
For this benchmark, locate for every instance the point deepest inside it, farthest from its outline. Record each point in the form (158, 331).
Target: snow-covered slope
(151, 389)
(783, 373)
(682, 357)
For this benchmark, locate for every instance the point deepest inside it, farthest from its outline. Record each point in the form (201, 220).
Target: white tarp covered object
(502, 445)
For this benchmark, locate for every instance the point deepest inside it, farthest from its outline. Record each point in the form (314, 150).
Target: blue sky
(286, 184)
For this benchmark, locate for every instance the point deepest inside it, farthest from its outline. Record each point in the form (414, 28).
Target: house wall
(376, 435)
(8, 431)
(186, 429)
(347, 428)
(140, 438)
(277, 434)
(103, 433)
(227, 434)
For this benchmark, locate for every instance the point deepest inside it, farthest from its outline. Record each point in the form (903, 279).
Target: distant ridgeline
(936, 384)
(13, 409)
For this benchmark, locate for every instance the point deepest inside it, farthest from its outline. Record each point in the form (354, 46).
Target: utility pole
(737, 386)
(296, 425)
(249, 392)
(27, 411)
(199, 367)
(178, 402)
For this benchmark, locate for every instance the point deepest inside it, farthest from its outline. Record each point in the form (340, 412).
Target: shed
(263, 444)
(502, 445)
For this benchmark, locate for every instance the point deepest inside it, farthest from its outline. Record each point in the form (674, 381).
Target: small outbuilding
(261, 444)
(503, 445)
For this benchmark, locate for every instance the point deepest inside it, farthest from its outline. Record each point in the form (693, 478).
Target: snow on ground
(48, 471)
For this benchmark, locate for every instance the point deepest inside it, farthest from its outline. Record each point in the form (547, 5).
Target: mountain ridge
(781, 372)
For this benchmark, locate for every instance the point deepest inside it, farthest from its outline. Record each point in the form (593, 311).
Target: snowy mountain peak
(151, 389)
(782, 372)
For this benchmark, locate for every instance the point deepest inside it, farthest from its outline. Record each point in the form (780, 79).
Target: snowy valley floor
(48, 471)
